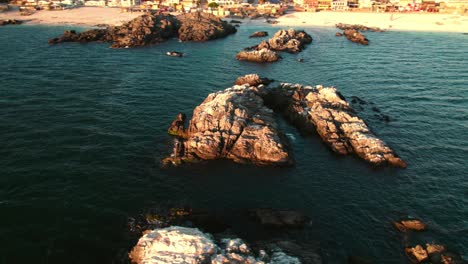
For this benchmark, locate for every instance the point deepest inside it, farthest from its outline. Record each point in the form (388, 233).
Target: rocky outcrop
(177, 244)
(252, 80)
(284, 40)
(354, 36)
(151, 29)
(287, 40)
(344, 26)
(259, 34)
(203, 27)
(433, 253)
(177, 126)
(233, 124)
(10, 22)
(262, 55)
(324, 110)
(410, 224)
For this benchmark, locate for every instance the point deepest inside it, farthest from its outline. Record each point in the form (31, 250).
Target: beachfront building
(365, 4)
(310, 5)
(95, 3)
(339, 5)
(324, 4)
(459, 6)
(129, 3)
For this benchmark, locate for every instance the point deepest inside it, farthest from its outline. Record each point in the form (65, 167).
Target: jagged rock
(252, 80)
(174, 245)
(343, 26)
(434, 248)
(262, 55)
(234, 124)
(416, 254)
(324, 109)
(287, 40)
(151, 29)
(354, 36)
(177, 126)
(203, 27)
(259, 34)
(279, 218)
(10, 22)
(410, 224)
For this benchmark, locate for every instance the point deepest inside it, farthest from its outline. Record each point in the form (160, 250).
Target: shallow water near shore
(84, 128)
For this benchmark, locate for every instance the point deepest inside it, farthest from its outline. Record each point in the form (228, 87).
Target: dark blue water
(83, 128)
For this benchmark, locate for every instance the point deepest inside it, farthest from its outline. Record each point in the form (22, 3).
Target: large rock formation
(177, 244)
(351, 32)
(151, 29)
(284, 40)
(203, 27)
(287, 40)
(236, 124)
(354, 36)
(233, 124)
(323, 109)
(262, 55)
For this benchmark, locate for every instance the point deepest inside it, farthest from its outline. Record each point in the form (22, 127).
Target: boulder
(338, 34)
(410, 224)
(203, 27)
(234, 124)
(325, 110)
(259, 34)
(356, 37)
(262, 55)
(174, 244)
(252, 80)
(151, 29)
(416, 254)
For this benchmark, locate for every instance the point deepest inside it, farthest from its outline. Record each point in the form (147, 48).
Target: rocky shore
(352, 32)
(151, 29)
(290, 40)
(238, 124)
(10, 22)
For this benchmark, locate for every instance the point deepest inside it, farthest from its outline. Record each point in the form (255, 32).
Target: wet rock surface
(233, 124)
(344, 26)
(433, 253)
(252, 80)
(262, 55)
(324, 110)
(410, 224)
(353, 34)
(151, 29)
(259, 34)
(356, 37)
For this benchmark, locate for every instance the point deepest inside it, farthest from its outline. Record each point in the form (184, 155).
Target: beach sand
(91, 16)
(389, 21)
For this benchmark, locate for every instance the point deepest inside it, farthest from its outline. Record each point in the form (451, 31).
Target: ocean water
(83, 128)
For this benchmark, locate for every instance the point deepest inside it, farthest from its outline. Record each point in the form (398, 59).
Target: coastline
(92, 16)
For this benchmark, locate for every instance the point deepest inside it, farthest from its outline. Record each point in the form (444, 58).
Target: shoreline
(94, 16)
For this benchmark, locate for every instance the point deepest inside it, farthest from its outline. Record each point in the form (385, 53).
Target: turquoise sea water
(83, 128)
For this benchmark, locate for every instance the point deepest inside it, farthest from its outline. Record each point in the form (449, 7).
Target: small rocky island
(352, 32)
(290, 40)
(151, 29)
(239, 124)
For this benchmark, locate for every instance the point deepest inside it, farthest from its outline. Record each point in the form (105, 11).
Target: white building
(339, 5)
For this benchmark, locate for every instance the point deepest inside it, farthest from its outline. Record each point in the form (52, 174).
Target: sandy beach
(91, 16)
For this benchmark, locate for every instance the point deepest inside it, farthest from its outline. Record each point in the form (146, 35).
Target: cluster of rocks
(236, 124)
(176, 244)
(290, 40)
(151, 29)
(431, 252)
(10, 22)
(351, 32)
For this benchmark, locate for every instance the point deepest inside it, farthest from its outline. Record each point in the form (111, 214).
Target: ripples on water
(83, 128)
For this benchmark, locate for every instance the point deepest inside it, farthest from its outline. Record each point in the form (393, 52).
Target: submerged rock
(234, 124)
(279, 218)
(151, 29)
(262, 55)
(410, 224)
(324, 110)
(259, 34)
